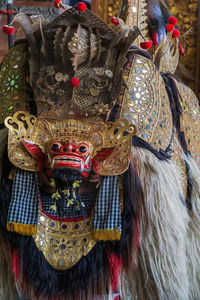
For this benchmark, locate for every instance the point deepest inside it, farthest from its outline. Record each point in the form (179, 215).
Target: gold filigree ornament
(14, 76)
(113, 137)
(145, 102)
(63, 243)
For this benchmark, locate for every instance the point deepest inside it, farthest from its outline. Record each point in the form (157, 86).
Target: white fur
(193, 250)
(161, 271)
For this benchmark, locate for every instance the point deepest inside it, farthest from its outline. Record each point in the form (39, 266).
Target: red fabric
(115, 270)
(176, 33)
(146, 45)
(81, 6)
(181, 49)
(57, 3)
(8, 29)
(114, 21)
(154, 38)
(169, 27)
(74, 81)
(15, 264)
(172, 20)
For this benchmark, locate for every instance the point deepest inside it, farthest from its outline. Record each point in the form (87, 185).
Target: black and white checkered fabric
(88, 201)
(107, 213)
(24, 204)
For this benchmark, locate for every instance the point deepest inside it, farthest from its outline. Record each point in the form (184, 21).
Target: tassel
(114, 21)
(169, 27)
(146, 45)
(176, 33)
(8, 29)
(3, 11)
(172, 20)
(10, 12)
(81, 6)
(74, 81)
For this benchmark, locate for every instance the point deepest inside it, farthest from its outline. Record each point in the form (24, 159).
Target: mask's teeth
(52, 163)
(82, 165)
(87, 160)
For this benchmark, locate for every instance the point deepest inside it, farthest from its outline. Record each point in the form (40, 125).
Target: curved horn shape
(25, 22)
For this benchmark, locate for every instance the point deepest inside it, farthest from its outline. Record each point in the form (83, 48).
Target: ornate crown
(110, 142)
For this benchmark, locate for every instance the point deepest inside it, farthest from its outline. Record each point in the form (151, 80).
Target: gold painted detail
(146, 104)
(137, 16)
(190, 120)
(13, 78)
(41, 132)
(63, 244)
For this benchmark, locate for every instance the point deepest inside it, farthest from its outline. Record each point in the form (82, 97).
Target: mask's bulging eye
(55, 147)
(83, 149)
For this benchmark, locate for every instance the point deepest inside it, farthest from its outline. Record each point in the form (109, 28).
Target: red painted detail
(103, 154)
(35, 151)
(85, 175)
(10, 12)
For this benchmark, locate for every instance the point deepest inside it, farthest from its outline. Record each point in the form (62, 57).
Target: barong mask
(75, 73)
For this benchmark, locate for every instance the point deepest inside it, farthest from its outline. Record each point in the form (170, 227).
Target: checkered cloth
(68, 212)
(24, 205)
(107, 213)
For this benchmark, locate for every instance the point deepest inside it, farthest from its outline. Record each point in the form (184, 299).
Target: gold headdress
(76, 66)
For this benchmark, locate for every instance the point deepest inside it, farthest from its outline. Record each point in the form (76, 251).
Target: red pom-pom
(8, 29)
(169, 27)
(57, 3)
(172, 20)
(10, 12)
(176, 33)
(114, 21)
(146, 45)
(74, 81)
(3, 11)
(81, 6)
